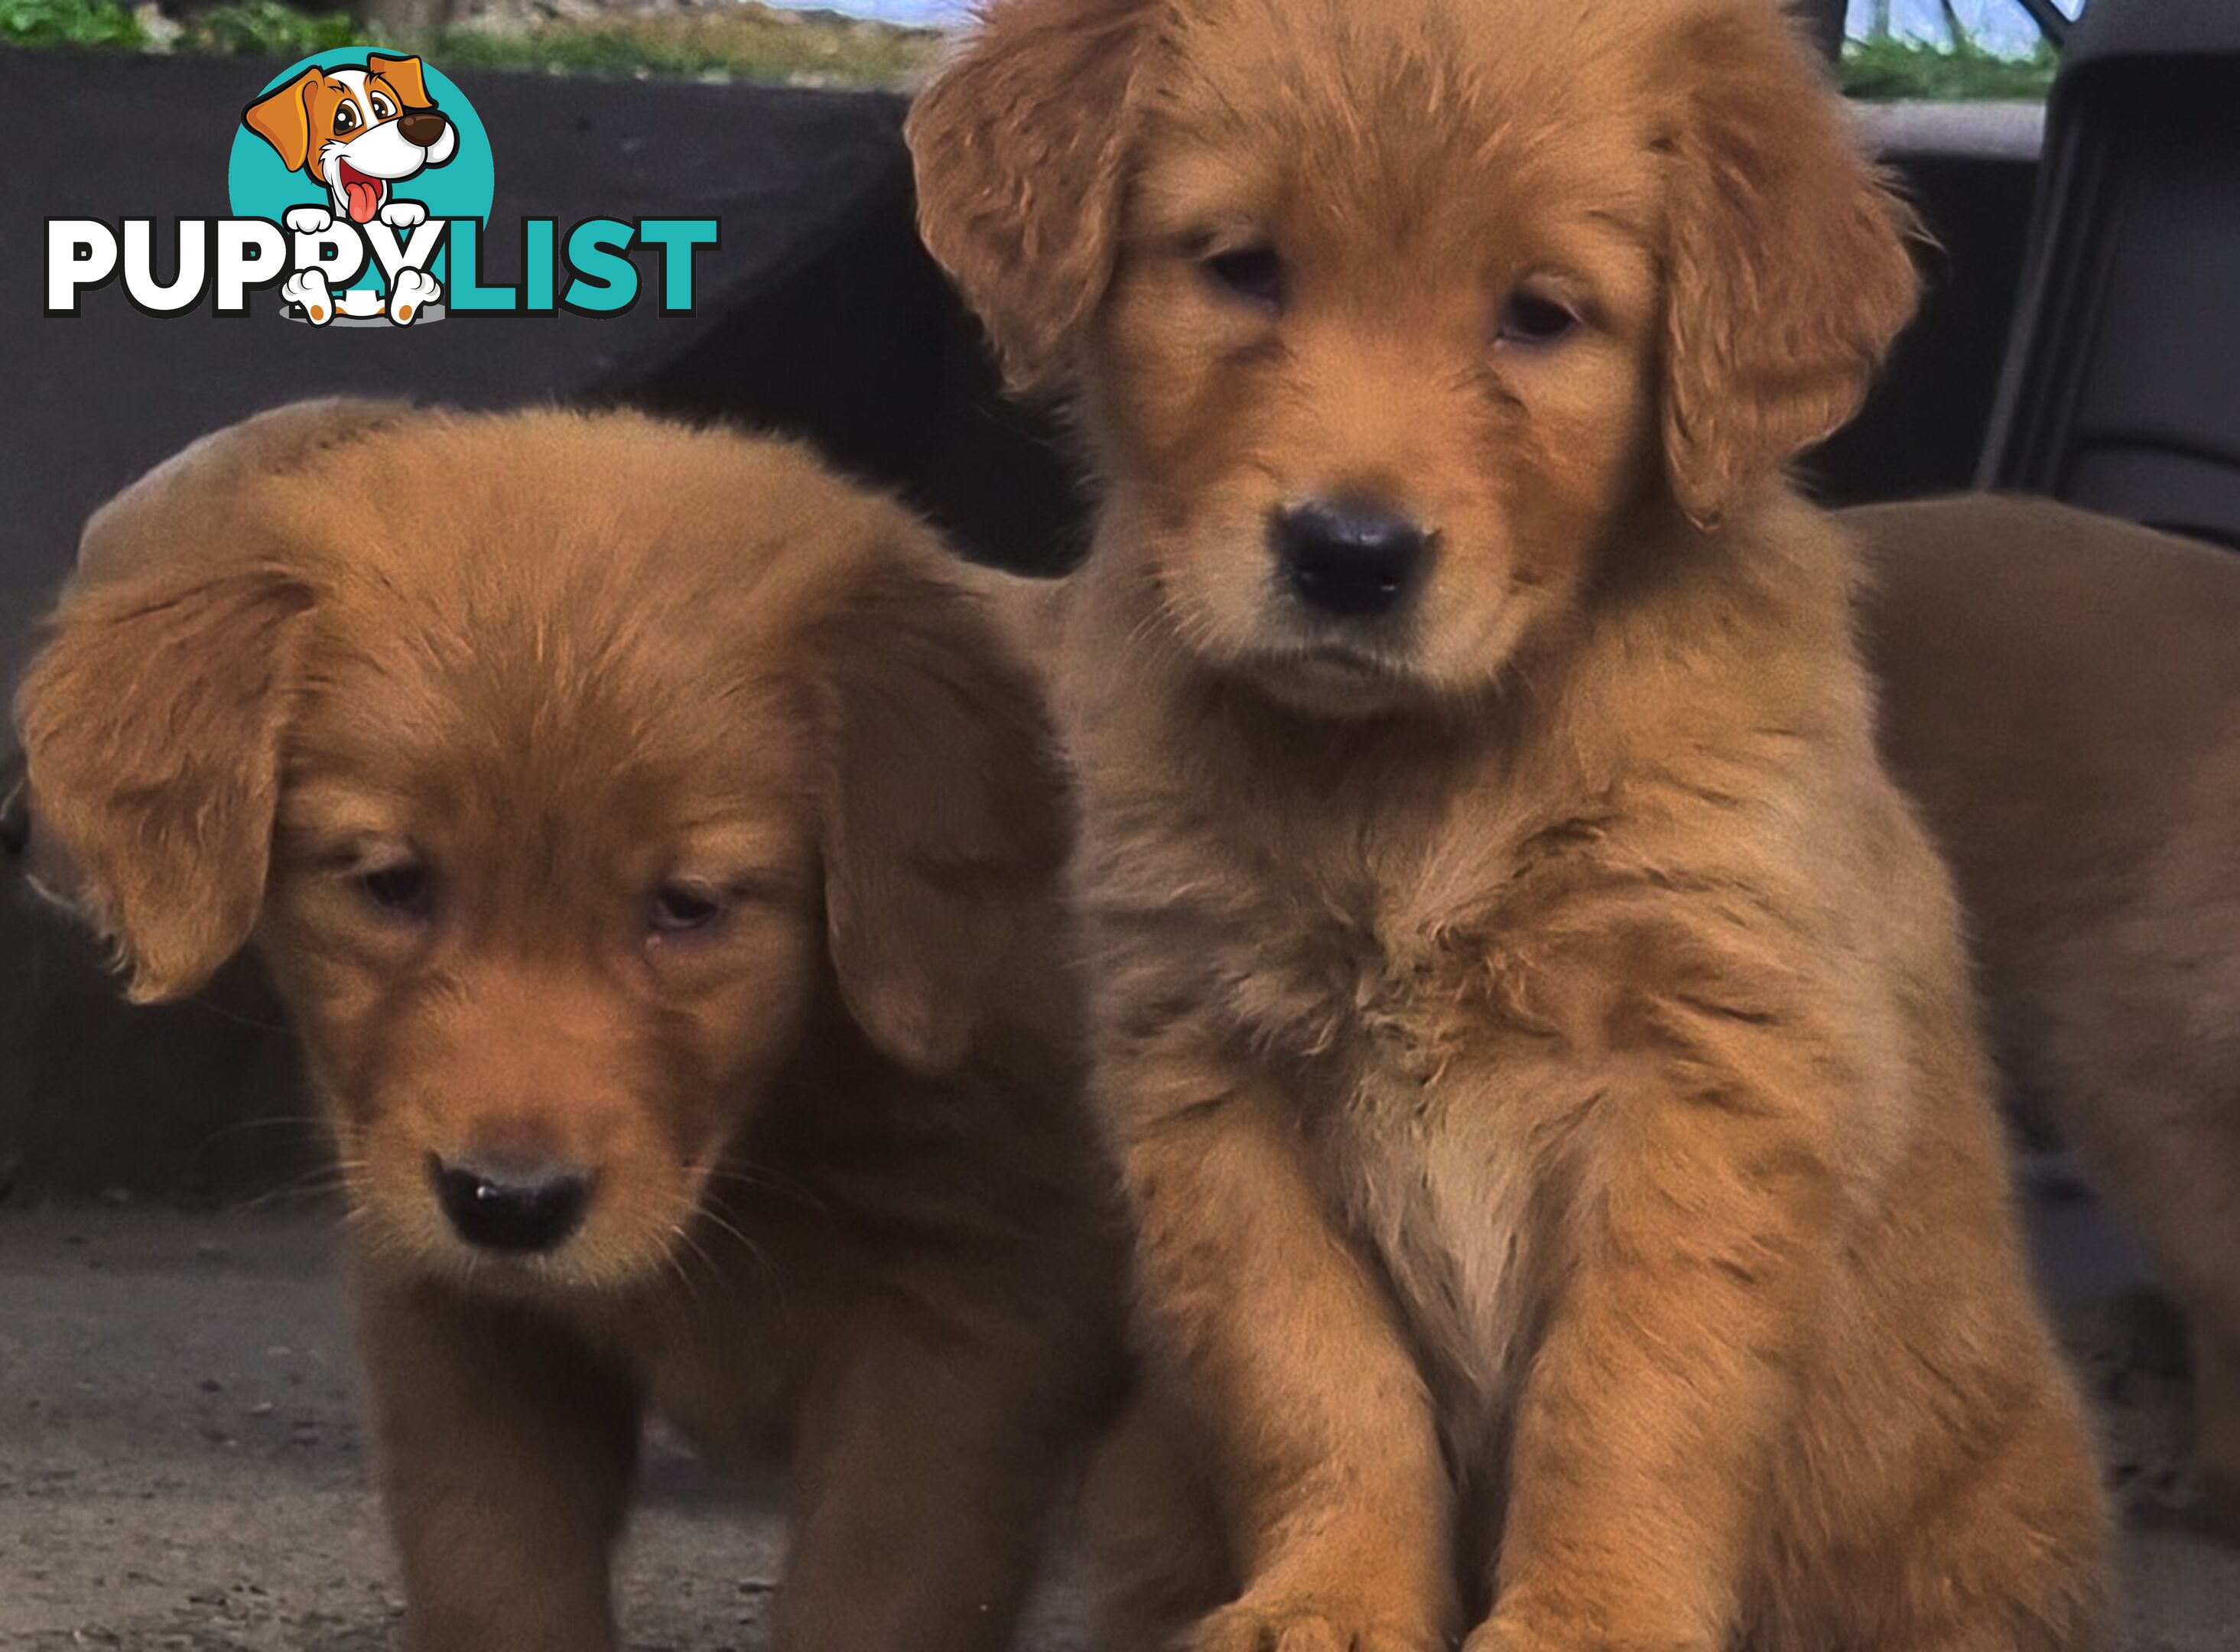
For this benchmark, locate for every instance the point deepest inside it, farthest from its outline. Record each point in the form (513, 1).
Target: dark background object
(1824, 18)
(2052, 22)
(1922, 429)
(2121, 391)
(820, 314)
(94, 400)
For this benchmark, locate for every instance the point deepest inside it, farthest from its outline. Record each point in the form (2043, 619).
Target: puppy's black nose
(422, 128)
(1349, 559)
(506, 1207)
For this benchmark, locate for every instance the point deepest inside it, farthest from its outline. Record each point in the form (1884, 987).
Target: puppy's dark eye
(407, 889)
(677, 909)
(345, 118)
(1255, 274)
(1534, 318)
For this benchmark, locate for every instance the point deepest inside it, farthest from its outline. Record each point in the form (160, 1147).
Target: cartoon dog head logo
(359, 130)
(329, 150)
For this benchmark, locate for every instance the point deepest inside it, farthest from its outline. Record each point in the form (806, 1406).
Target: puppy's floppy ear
(151, 718)
(404, 74)
(151, 723)
(1020, 146)
(282, 118)
(1788, 272)
(944, 817)
(194, 498)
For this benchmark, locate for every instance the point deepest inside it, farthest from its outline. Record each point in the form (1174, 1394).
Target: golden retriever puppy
(2062, 693)
(1534, 1029)
(660, 861)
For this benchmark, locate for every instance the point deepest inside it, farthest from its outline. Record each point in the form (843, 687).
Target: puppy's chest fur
(1425, 1151)
(1384, 1009)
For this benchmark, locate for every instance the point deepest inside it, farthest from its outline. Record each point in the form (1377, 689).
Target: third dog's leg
(507, 1453)
(922, 1474)
(1162, 1559)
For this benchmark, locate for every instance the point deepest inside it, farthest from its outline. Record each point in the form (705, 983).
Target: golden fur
(2063, 695)
(846, 1205)
(1534, 1031)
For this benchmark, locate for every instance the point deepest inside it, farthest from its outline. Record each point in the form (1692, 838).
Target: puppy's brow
(334, 817)
(1633, 228)
(752, 854)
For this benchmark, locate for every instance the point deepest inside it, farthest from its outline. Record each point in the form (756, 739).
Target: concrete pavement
(181, 1465)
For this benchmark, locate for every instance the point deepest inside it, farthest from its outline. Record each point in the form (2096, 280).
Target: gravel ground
(182, 1466)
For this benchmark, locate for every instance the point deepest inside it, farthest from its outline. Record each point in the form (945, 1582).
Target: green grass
(69, 22)
(267, 28)
(742, 41)
(1891, 68)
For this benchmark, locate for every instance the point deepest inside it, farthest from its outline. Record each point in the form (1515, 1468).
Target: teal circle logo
(371, 137)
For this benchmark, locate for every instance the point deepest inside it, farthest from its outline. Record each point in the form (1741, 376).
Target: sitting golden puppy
(659, 860)
(1534, 1027)
(2062, 693)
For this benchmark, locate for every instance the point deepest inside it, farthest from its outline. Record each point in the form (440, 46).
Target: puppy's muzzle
(1349, 559)
(513, 1208)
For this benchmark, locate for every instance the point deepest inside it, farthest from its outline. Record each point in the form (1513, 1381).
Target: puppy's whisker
(211, 1006)
(301, 1188)
(723, 1225)
(763, 1180)
(673, 1260)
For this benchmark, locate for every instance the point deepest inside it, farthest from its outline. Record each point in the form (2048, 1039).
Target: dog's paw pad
(1303, 1627)
(415, 290)
(308, 288)
(404, 214)
(309, 220)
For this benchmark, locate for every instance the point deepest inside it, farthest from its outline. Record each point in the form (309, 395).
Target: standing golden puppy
(1534, 1027)
(660, 860)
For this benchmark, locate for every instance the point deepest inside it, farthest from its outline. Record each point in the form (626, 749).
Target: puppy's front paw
(1511, 1634)
(413, 291)
(1498, 1637)
(309, 220)
(1307, 1626)
(403, 215)
(309, 289)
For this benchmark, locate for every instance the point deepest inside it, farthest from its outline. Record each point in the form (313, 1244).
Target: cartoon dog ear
(1788, 270)
(150, 724)
(1020, 146)
(945, 822)
(282, 118)
(404, 74)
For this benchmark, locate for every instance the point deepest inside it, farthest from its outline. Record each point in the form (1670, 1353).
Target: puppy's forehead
(1394, 113)
(553, 607)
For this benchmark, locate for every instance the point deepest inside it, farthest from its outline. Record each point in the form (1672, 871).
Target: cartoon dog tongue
(363, 194)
